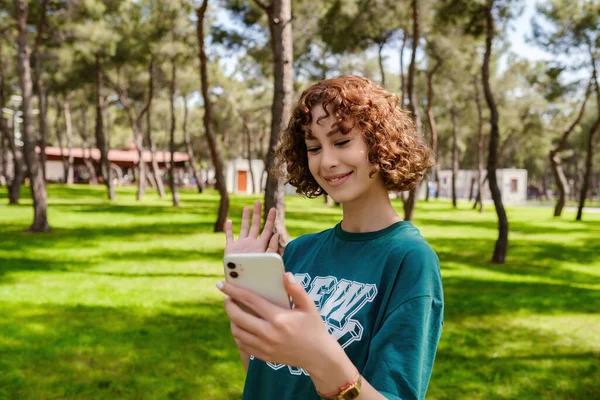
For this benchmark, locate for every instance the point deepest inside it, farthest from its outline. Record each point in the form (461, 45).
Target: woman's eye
(313, 149)
(342, 143)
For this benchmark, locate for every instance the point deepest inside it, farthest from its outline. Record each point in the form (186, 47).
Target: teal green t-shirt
(380, 295)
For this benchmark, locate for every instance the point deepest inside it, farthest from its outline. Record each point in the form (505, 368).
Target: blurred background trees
(216, 79)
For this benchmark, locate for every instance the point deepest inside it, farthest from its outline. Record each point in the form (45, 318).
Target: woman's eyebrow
(332, 132)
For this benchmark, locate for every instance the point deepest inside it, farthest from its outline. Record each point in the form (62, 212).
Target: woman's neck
(370, 214)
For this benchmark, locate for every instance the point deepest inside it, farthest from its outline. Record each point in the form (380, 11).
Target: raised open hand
(249, 241)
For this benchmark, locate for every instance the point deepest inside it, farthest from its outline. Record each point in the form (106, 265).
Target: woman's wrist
(332, 370)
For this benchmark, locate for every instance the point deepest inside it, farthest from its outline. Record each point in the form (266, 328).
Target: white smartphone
(259, 272)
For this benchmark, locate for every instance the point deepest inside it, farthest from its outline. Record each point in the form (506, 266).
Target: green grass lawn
(118, 301)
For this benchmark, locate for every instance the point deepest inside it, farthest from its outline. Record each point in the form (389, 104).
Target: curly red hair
(395, 150)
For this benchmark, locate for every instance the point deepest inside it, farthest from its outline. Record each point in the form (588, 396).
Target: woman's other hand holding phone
(296, 337)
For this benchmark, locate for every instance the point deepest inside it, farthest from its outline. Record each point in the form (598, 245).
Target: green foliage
(119, 300)
(536, 101)
(568, 27)
(350, 26)
(465, 14)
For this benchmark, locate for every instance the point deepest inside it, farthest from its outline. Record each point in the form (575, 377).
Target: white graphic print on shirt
(337, 301)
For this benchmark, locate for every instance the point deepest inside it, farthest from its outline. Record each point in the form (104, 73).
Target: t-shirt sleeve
(402, 351)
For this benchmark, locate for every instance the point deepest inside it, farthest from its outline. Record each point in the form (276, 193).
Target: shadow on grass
(12, 238)
(538, 258)
(523, 227)
(106, 353)
(474, 297)
(500, 361)
(25, 264)
(20, 263)
(21, 250)
(135, 209)
(156, 275)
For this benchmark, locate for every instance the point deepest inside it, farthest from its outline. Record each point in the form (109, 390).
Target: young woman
(367, 293)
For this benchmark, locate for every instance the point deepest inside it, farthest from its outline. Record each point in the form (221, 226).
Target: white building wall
(55, 171)
(511, 181)
(9, 169)
(513, 184)
(232, 168)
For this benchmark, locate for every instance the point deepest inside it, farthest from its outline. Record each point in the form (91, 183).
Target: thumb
(296, 291)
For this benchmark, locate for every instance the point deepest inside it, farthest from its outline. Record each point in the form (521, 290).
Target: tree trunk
(6, 135)
(478, 198)
(172, 169)
(39, 84)
(188, 145)
(87, 153)
(153, 163)
(59, 137)
(501, 247)
(409, 204)
(576, 176)
(262, 155)
(249, 152)
(432, 128)
(69, 172)
(588, 168)
(150, 178)
(573, 172)
(589, 156)
(279, 14)
(455, 159)
(101, 141)
(8, 131)
(480, 147)
(212, 141)
(14, 189)
(135, 122)
(154, 175)
(38, 187)
(3, 153)
(472, 188)
(544, 186)
(141, 167)
(380, 59)
(562, 185)
(402, 78)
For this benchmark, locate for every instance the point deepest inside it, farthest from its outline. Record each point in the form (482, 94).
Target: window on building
(513, 185)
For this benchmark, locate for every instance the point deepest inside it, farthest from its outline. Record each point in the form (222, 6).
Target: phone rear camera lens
(233, 274)
(231, 265)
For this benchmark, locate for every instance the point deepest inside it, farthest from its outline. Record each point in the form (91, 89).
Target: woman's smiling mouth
(336, 180)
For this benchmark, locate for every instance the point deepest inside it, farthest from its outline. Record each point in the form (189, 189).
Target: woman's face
(339, 163)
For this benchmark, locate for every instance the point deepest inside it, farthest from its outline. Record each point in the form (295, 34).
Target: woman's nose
(329, 158)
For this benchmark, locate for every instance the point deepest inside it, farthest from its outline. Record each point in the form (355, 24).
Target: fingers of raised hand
(228, 232)
(273, 244)
(256, 218)
(245, 222)
(269, 225)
